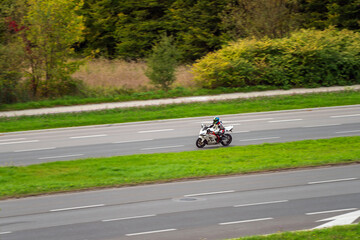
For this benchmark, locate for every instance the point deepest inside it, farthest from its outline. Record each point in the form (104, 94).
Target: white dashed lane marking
(27, 141)
(209, 193)
(261, 203)
(332, 211)
(77, 208)
(258, 139)
(343, 116)
(352, 131)
(127, 218)
(89, 136)
(35, 149)
(133, 141)
(151, 232)
(158, 130)
(154, 148)
(64, 156)
(246, 221)
(335, 180)
(12, 139)
(285, 120)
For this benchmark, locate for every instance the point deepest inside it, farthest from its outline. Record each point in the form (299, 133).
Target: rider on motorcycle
(218, 128)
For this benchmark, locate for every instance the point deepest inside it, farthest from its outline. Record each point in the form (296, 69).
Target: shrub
(307, 58)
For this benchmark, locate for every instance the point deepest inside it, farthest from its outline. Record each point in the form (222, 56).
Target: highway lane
(208, 209)
(25, 148)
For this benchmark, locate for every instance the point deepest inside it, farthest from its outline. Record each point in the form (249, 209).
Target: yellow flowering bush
(308, 58)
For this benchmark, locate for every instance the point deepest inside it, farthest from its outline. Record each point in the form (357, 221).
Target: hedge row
(308, 58)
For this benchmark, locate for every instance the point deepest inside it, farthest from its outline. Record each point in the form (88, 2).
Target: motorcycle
(208, 137)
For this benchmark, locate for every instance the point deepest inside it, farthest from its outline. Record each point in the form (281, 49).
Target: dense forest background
(38, 37)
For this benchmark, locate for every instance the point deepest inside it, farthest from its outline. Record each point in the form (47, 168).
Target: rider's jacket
(218, 128)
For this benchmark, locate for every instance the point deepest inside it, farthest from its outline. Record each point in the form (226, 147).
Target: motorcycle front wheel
(226, 140)
(200, 143)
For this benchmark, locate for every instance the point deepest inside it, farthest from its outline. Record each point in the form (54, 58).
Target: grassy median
(179, 111)
(148, 168)
(350, 232)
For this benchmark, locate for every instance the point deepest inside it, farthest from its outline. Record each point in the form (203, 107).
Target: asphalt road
(207, 209)
(25, 148)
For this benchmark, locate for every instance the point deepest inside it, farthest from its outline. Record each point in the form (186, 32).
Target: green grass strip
(146, 168)
(349, 232)
(114, 95)
(179, 111)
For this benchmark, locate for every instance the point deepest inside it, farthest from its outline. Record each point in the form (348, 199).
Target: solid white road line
(153, 148)
(13, 139)
(89, 136)
(335, 180)
(35, 149)
(258, 139)
(132, 141)
(353, 131)
(127, 218)
(342, 116)
(261, 203)
(332, 211)
(246, 221)
(151, 232)
(64, 156)
(28, 141)
(159, 130)
(285, 120)
(208, 193)
(3, 233)
(76, 208)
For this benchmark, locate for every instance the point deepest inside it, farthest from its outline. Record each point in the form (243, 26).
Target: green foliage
(139, 25)
(10, 73)
(9, 11)
(127, 29)
(52, 27)
(100, 18)
(196, 26)
(161, 64)
(260, 18)
(324, 13)
(306, 58)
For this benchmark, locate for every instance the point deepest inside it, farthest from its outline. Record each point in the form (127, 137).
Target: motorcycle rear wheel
(226, 140)
(200, 143)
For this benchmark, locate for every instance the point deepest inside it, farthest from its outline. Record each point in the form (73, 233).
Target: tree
(161, 64)
(139, 25)
(321, 14)
(10, 72)
(11, 57)
(344, 14)
(259, 18)
(100, 18)
(196, 25)
(52, 27)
